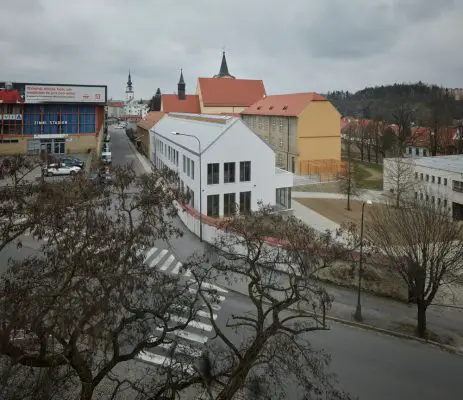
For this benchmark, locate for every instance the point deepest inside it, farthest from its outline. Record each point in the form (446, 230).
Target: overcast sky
(305, 45)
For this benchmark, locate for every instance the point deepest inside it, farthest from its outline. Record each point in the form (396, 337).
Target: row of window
(433, 178)
(433, 199)
(189, 167)
(264, 123)
(229, 172)
(47, 119)
(230, 206)
(417, 151)
(172, 155)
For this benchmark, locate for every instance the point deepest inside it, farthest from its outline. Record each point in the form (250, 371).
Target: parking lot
(36, 173)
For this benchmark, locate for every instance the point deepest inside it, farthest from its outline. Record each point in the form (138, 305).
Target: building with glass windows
(237, 168)
(54, 118)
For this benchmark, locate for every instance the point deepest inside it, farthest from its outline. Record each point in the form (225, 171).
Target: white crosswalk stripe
(169, 261)
(158, 258)
(176, 268)
(150, 252)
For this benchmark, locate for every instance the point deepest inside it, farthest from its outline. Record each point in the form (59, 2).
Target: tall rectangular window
(213, 174)
(245, 171)
(229, 204)
(245, 202)
(188, 171)
(184, 164)
(213, 202)
(229, 172)
(192, 176)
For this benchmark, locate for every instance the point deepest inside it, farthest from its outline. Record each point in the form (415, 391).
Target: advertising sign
(30, 93)
(11, 117)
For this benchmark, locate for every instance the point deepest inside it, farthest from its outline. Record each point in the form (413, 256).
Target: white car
(61, 169)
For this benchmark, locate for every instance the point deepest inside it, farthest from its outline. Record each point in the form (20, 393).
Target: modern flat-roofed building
(54, 118)
(237, 167)
(436, 179)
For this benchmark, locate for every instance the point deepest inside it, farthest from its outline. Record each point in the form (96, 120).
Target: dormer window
(259, 107)
(285, 107)
(270, 108)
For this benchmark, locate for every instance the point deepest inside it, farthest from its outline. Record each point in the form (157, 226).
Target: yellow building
(304, 129)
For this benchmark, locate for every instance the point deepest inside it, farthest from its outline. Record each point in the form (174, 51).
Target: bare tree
(399, 179)
(348, 177)
(421, 243)
(403, 118)
(90, 302)
(359, 136)
(439, 120)
(272, 333)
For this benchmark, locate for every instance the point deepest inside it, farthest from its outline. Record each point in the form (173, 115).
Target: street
(368, 364)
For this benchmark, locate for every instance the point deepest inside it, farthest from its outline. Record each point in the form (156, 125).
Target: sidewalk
(383, 313)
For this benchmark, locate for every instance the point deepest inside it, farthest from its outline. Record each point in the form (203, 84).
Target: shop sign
(11, 117)
(50, 122)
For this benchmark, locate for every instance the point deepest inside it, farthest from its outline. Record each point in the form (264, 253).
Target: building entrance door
(46, 147)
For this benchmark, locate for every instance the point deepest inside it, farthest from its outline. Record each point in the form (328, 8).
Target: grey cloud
(300, 45)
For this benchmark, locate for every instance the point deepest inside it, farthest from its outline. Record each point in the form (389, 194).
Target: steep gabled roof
(151, 119)
(230, 92)
(171, 103)
(283, 104)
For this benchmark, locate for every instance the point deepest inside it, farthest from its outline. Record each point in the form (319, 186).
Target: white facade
(237, 167)
(133, 107)
(437, 179)
(417, 151)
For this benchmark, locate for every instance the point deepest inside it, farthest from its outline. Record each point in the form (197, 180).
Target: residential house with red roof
(143, 128)
(304, 129)
(180, 102)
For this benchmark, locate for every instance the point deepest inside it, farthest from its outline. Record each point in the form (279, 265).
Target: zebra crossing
(188, 344)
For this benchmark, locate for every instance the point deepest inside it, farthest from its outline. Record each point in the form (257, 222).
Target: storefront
(56, 119)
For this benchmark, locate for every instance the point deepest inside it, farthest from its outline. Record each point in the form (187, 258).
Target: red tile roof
(283, 104)
(115, 104)
(151, 119)
(230, 92)
(171, 103)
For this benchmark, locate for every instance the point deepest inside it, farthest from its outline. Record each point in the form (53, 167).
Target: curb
(367, 327)
(141, 158)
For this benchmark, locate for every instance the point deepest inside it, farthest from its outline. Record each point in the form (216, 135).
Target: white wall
(237, 144)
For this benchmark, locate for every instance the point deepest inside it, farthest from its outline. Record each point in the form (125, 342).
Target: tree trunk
(421, 326)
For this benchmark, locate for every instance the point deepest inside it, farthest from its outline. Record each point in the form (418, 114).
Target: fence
(326, 170)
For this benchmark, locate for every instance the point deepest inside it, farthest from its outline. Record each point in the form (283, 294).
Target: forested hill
(383, 101)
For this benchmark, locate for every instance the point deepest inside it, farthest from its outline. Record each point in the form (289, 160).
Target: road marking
(176, 268)
(208, 285)
(207, 295)
(184, 349)
(194, 324)
(150, 252)
(192, 337)
(151, 358)
(201, 313)
(169, 261)
(158, 258)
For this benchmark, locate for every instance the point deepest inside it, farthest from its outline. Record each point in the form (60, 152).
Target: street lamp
(358, 309)
(200, 184)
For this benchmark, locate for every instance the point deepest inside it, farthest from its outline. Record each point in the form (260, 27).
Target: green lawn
(369, 176)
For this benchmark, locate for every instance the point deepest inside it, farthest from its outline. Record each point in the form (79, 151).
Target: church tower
(223, 72)
(129, 89)
(181, 87)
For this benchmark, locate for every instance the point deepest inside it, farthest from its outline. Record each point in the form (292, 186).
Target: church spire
(223, 72)
(181, 86)
(129, 82)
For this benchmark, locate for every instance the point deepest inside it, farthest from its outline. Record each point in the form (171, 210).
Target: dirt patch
(324, 187)
(335, 209)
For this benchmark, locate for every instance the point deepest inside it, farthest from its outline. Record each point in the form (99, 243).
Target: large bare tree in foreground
(422, 245)
(89, 302)
(399, 177)
(264, 349)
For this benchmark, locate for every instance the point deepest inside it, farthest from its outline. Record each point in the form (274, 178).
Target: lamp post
(200, 184)
(358, 309)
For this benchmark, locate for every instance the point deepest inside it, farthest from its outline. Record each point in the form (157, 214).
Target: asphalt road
(368, 365)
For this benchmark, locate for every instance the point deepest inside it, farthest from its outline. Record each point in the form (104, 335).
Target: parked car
(106, 156)
(107, 137)
(61, 168)
(74, 161)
